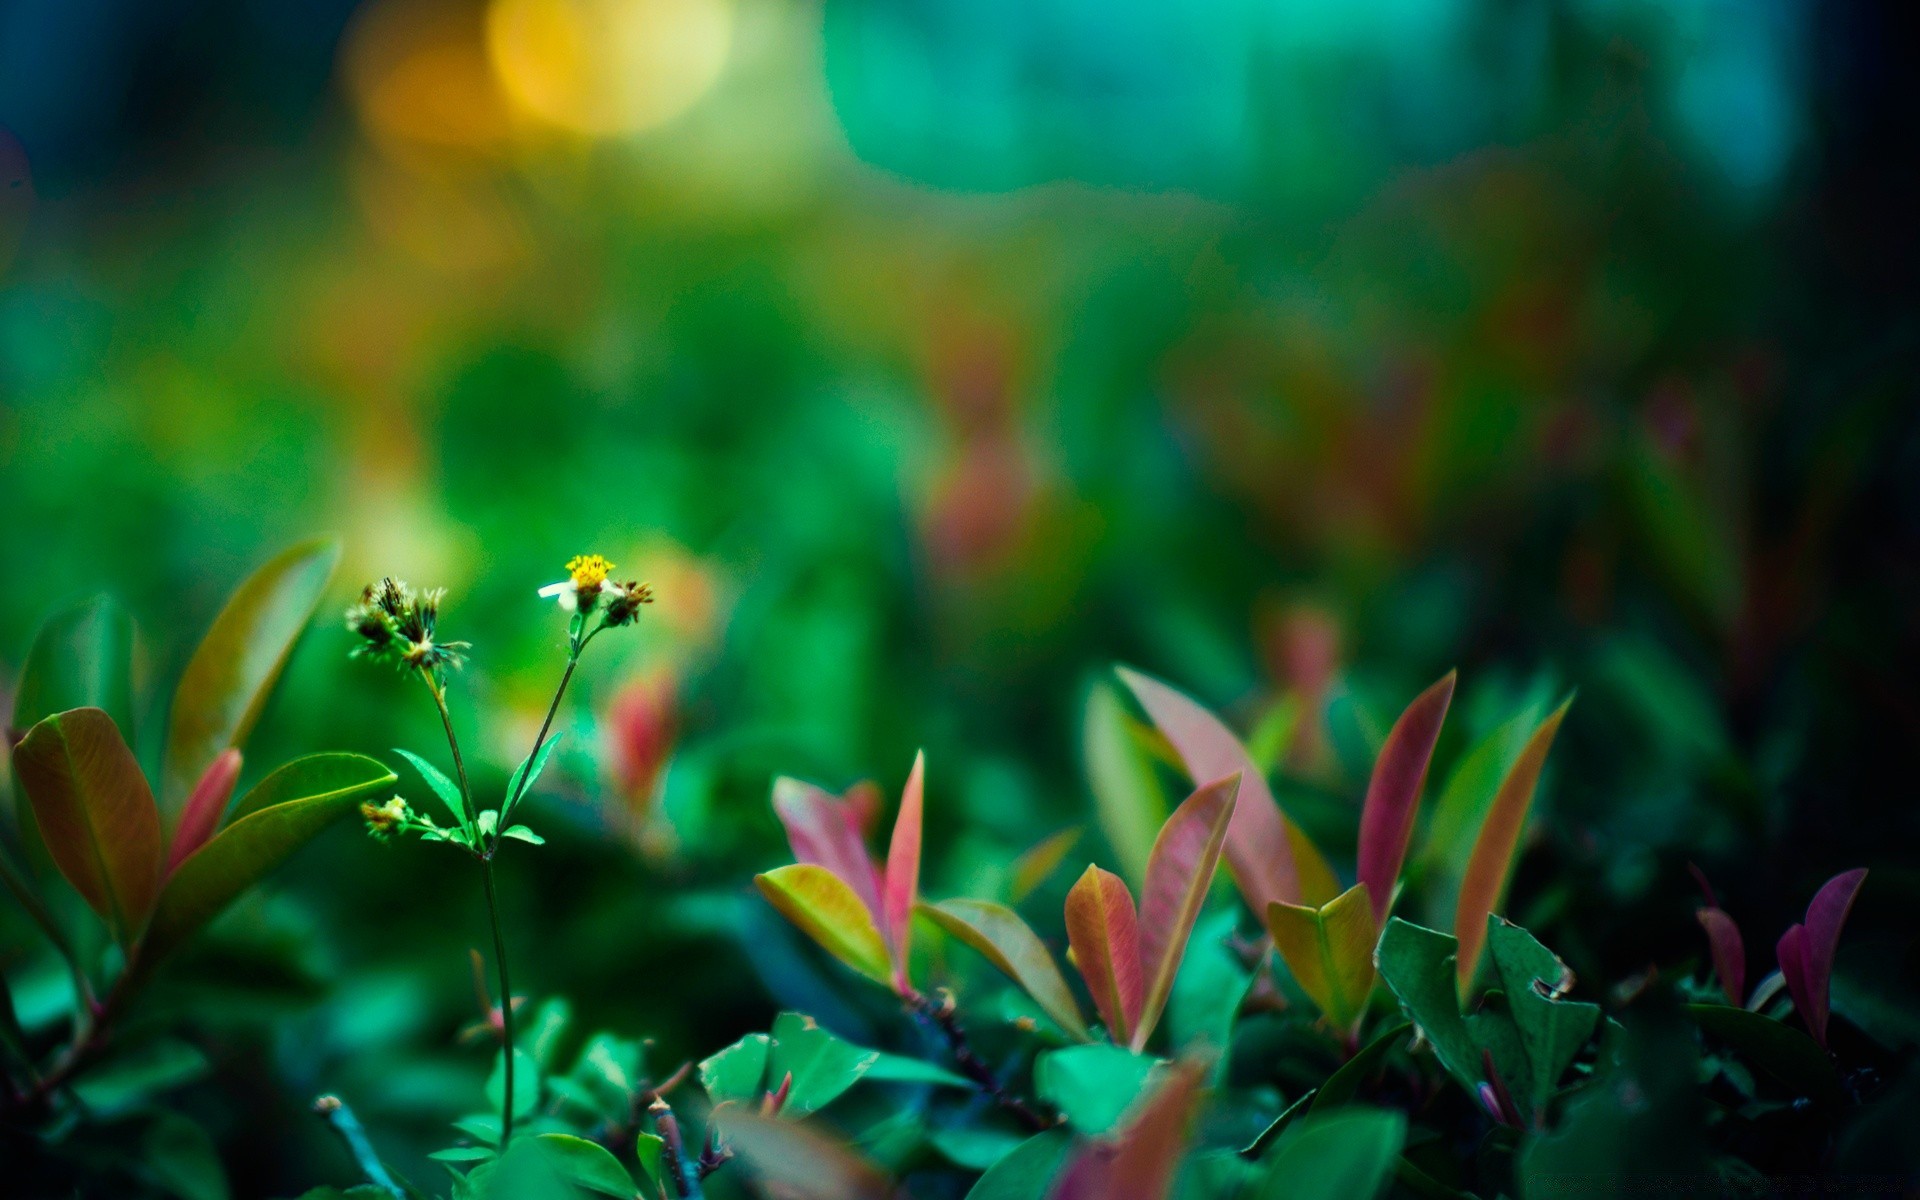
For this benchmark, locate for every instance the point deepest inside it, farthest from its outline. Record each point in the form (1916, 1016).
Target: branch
(942, 1017)
(335, 1112)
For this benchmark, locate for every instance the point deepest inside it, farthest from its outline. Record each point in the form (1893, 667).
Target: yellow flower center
(588, 570)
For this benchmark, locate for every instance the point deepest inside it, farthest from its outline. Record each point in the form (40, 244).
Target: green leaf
(1093, 1085)
(1552, 1031)
(824, 908)
(526, 1083)
(898, 1068)
(179, 1156)
(999, 935)
(1344, 1155)
(822, 1065)
(80, 658)
(139, 1076)
(650, 1149)
(528, 772)
(281, 814)
(1280, 1124)
(1027, 1171)
(739, 1072)
(586, 1165)
(1345, 1083)
(1420, 967)
(1330, 952)
(1128, 798)
(1464, 800)
(1787, 1054)
(95, 814)
(446, 789)
(972, 1148)
(520, 833)
(463, 1154)
(226, 683)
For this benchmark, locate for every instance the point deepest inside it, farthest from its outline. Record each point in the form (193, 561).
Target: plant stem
(453, 743)
(335, 1112)
(546, 726)
(506, 1000)
(971, 1065)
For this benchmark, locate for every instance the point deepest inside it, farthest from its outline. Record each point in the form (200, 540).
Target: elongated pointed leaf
(1777, 1048)
(1140, 1163)
(999, 935)
(1345, 1083)
(825, 909)
(436, 780)
(825, 829)
(80, 658)
(1483, 887)
(1179, 872)
(95, 814)
(1329, 950)
(1419, 966)
(1039, 861)
(1393, 795)
(902, 890)
(281, 814)
(1259, 850)
(1807, 963)
(1128, 797)
(1729, 953)
(1464, 799)
(205, 806)
(226, 683)
(1104, 933)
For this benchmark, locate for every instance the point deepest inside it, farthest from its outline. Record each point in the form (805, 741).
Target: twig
(686, 1173)
(942, 1017)
(335, 1112)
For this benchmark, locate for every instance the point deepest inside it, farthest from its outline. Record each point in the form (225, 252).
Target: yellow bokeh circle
(608, 67)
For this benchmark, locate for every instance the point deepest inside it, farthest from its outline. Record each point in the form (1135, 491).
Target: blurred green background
(928, 357)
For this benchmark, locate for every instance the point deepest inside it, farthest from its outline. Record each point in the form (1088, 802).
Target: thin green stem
(453, 743)
(353, 1135)
(506, 1000)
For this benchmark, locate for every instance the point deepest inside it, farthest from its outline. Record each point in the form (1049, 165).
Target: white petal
(555, 589)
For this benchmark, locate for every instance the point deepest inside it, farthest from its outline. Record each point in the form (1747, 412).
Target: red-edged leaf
(205, 805)
(1484, 885)
(1105, 935)
(998, 934)
(902, 890)
(1807, 963)
(1140, 1163)
(1729, 953)
(1259, 851)
(1393, 795)
(1179, 871)
(828, 911)
(826, 830)
(95, 813)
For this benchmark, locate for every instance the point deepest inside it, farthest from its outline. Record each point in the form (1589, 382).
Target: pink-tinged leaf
(1104, 933)
(1818, 942)
(797, 1160)
(825, 909)
(826, 831)
(96, 814)
(1179, 872)
(998, 934)
(1483, 887)
(903, 874)
(205, 805)
(1259, 850)
(1140, 1163)
(1393, 795)
(1791, 950)
(1729, 953)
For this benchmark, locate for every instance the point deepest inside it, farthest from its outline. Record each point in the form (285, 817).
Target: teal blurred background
(928, 357)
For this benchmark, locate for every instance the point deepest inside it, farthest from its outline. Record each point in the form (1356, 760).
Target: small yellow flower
(588, 570)
(383, 819)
